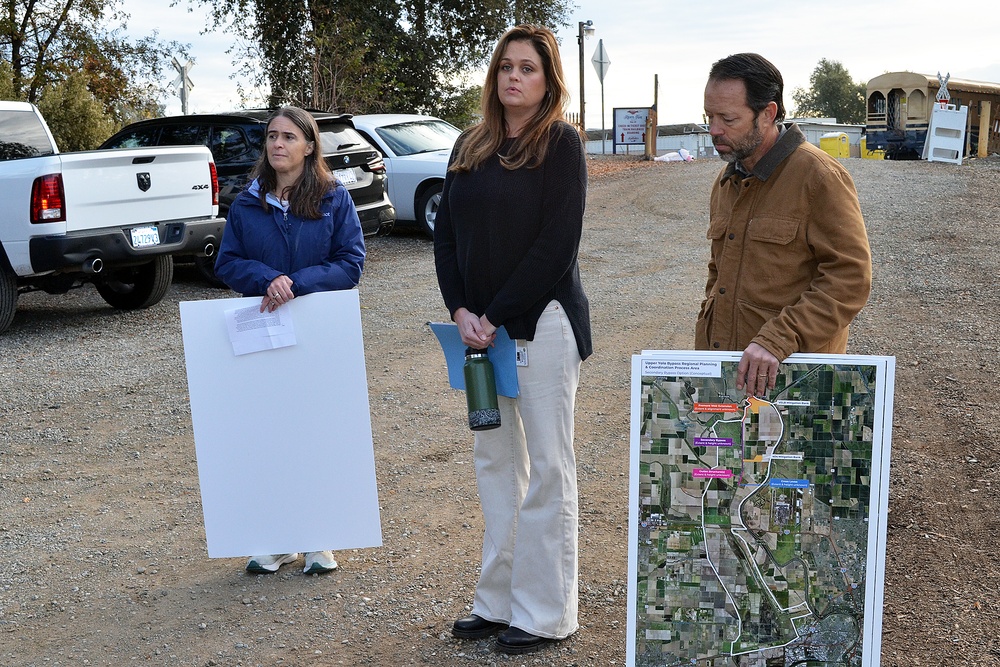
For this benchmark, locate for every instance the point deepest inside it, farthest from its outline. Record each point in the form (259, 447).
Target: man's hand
(757, 371)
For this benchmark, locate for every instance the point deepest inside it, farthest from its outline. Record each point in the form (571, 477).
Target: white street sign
(601, 60)
(182, 77)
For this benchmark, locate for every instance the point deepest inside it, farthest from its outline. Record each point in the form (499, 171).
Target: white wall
(700, 145)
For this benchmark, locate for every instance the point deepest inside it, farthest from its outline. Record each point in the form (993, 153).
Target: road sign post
(601, 63)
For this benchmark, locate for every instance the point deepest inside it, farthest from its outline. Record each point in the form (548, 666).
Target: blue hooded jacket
(318, 255)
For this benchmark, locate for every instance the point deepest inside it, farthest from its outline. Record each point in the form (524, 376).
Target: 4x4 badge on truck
(142, 178)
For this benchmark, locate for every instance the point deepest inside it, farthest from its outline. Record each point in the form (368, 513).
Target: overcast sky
(678, 41)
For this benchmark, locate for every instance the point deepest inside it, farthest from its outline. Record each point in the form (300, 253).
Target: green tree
(366, 56)
(831, 94)
(44, 42)
(7, 82)
(461, 106)
(75, 117)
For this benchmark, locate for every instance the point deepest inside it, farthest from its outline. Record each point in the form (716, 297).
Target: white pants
(526, 472)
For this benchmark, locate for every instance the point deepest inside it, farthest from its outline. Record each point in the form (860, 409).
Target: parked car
(416, 150)
(114, 219)
(236, 140)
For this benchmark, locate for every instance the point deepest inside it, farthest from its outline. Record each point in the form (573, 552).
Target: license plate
(143, 237)
(345, 176)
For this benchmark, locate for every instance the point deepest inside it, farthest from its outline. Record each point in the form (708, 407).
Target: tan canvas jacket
(790, 264)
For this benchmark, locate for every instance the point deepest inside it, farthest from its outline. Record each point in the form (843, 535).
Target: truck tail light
(215, 183)
(48, 199)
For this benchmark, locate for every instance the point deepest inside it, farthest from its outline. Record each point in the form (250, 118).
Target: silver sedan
(415, 149)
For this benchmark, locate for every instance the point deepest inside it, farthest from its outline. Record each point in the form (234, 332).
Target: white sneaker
(269, 564)
(318, 562)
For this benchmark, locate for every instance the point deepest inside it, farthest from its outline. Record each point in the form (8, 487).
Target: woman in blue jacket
(293, 231)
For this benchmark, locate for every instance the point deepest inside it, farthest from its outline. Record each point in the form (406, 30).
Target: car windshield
(421, 136)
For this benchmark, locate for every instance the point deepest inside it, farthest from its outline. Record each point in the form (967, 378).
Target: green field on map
(757, 523)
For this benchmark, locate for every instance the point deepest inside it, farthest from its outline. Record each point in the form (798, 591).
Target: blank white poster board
(283, 436)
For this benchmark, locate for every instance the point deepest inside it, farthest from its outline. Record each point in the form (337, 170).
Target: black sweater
(506, 241)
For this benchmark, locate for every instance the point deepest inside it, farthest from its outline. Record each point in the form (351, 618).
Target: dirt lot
(102, 552)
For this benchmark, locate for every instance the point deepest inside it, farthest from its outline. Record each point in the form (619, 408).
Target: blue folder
(502, 354)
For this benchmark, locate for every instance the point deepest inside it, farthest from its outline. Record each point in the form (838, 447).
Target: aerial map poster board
(757, 525)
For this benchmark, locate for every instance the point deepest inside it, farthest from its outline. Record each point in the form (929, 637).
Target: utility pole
(586, 30)
(652, 122)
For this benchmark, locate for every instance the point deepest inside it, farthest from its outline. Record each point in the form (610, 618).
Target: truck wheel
(427, 208)
(8, 297)
(140, 286)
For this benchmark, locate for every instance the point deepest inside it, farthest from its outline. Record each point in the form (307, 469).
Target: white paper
(251, 330)
(283, 440)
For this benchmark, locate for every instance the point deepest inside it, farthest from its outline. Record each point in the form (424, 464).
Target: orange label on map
(716, 407)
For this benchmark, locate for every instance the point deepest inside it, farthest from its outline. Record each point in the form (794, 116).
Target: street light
(586, 30)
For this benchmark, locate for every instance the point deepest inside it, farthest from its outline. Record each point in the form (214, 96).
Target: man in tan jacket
(790, 264)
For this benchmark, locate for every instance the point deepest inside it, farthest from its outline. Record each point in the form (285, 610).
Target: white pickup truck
(113, 218)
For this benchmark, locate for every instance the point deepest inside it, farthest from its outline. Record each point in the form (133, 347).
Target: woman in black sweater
(505, 245)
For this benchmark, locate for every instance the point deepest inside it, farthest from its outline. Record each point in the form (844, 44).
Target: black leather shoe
(474, 627)
(515, 641)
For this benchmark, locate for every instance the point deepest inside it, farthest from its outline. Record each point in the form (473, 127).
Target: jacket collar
(254, 191)
(788, 140)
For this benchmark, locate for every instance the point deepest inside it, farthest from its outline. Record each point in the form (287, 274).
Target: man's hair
(762, 80)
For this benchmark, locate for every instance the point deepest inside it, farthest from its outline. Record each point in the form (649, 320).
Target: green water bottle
(480, 391)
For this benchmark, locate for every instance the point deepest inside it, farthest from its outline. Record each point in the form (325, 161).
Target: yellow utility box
(870, 155)
(836, 144)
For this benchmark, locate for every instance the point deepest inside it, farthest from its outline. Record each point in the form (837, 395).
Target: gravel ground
(102, 554)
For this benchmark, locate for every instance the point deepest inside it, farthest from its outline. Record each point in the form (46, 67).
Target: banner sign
(630, 127)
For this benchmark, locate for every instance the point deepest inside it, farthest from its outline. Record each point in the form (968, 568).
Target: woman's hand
(476, 332)
(487, 327)
(278, 292)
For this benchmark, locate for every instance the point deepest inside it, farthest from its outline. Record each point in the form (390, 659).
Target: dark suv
(236, 140)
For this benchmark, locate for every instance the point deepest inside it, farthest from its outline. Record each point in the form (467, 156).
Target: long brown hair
(529, 148)
(305, 196)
